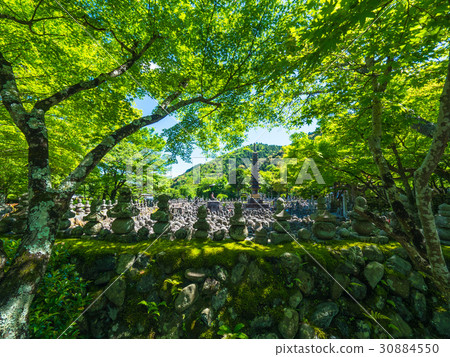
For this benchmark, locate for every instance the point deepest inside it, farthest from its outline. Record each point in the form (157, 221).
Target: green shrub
(61, 297)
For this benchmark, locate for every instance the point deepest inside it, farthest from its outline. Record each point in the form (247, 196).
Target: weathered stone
(125, 262)
(116, 292)
(255, 274)
(261, 236)
(220, 273)
(417, 281)
(398, 285)
(354, 255)
(206, 316)
(267, 336)
(401, 252)
(161, 229)
(261, 322)
(186, 298)
(145, 283)
(344, 233)
(358, 289)
(441, 323)
(374, 272)
(288, 325)
(243, 258)
(373, 253)
(122, 212)
(360, 224)
(210, 286)
(403, 330)
(419, 305)
(342, 325)
(402, 308)
(105, 263)
(324, 314)
(324, 226)
(399, 265)
(341, 281)
(295, 299)
(347, 267)
(182, 234)
(201, 227)
(238, 229)
(237, 273)
(219, 235)
(142, 262)
(443, 222)
(143, 233)
(306, 332)
(218, 300)
(195, 275)
(304, 234)
(290, 261)
(104, 278)
(305, 282)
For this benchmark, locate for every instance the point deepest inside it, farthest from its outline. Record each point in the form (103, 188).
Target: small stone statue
(65, 223)
(162, 216)
(361, 225)
(201, 227)
(238, 228)
(261, 234)
(94, 218)
(281, 226)
(324, 226)
(122, 212)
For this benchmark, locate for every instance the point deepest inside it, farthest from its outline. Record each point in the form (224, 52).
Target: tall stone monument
(255, 201)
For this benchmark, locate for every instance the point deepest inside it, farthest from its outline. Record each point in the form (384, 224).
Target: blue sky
(276, 136)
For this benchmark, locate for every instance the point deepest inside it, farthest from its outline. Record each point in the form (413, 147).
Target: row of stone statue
(120, 222)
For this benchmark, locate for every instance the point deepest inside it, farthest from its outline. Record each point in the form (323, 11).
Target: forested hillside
(198, 179)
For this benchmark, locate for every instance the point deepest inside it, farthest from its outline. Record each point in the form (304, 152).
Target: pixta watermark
(143, 174)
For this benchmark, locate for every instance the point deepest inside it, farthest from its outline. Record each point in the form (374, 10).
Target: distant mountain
(236, 158)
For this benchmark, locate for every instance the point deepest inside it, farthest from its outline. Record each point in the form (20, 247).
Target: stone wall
(191, 292)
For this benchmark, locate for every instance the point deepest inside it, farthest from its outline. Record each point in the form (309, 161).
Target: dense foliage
(61, 297)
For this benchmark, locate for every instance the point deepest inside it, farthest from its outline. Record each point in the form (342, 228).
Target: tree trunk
(19, 284)
(422, 176)
(3, 259)
(427, 244)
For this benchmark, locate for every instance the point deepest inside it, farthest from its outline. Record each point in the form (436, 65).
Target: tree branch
(10, 94)
(45, 104)
(74, 179)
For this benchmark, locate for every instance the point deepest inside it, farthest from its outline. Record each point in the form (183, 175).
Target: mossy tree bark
(423, 246)
(424, 192)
